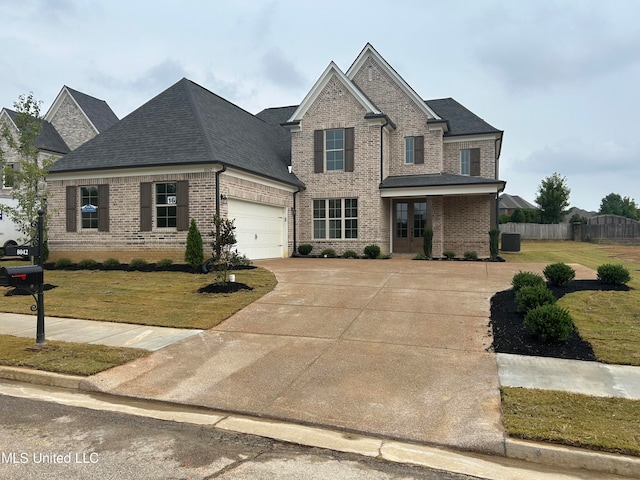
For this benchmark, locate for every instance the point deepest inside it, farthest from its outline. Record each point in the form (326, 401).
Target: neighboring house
(509, 203)
(362, 160)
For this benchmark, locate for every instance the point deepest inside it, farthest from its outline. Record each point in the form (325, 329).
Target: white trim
(471, 138)
(369, 51)
(441, 190)
(315, 91)
(58, 102)
(259, 180)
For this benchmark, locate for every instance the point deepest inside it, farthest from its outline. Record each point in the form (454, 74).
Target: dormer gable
(369, 53)
(332, 71)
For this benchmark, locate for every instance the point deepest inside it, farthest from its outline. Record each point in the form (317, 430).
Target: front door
(410, 221)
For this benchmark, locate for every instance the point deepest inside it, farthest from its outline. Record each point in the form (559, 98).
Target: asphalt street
(43, 440)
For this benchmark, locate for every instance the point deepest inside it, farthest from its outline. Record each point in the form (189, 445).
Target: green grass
(606, 424)
(610, 321)
(166, 299)
(64, 357)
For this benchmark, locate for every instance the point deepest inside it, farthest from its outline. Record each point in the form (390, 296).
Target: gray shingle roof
(436, 180)
(514, 201)
(48, 139)
(98, 111)
(461, 120)
(185, 124)
(275, 117)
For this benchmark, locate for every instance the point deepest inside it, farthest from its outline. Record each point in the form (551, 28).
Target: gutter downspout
(293, 212)
(386, 122)
(218, 173)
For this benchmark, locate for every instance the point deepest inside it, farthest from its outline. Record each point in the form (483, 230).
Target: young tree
(614, 204)
(553, 198)
(28, 176)
(224, 238)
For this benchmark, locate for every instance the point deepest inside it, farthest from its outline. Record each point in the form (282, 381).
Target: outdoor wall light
(223, 199)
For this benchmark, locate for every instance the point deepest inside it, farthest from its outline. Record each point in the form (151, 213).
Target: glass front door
(410, 222)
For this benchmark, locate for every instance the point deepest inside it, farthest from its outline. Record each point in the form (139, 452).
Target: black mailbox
(28, 278)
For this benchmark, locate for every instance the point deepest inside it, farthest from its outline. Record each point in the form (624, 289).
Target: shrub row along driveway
(395, 348)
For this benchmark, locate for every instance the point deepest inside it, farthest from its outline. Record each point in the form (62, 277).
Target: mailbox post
(40, 301)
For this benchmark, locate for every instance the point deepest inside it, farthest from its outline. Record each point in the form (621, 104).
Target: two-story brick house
(362, 160)
(380, 164)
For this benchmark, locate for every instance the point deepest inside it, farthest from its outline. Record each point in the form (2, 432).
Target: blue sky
(561, 78)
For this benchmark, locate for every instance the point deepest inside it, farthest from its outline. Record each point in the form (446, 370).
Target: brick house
(362, 160)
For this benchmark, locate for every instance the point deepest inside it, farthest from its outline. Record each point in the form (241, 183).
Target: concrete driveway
(394, 348)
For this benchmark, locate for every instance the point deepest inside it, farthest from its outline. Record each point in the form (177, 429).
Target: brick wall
(466, 224)
(71, 123)
(487, 156)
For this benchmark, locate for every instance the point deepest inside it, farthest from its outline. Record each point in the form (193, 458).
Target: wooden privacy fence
(600, 229)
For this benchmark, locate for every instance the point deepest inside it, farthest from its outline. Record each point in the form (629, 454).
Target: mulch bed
(510, 335)
(221, 287)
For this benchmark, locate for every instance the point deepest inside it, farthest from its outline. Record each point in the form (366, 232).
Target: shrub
(138, 264)
(328, 252)
(613, 274)
(164, 264)
(528, 298)
(305, 249)
(449, 254)
(63, 263)
(494, 237)
(550, 323)
(384, 256)
(111, 264)
(420, 256)
(470, 255)
(559, 274)
(372, 251)
(350, 254)
(237, 259)
(427, 242)
(526, 279)
(194, 253)
(87, 264)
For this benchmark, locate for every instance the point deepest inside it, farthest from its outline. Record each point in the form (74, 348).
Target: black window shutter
(418, 150)
(348, 149)
(318, 151)
(71, 209)
(103, 208)
(146, 200)
(182, 192)
(474, 154)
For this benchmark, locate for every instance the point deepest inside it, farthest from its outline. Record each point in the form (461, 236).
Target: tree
(614, 204)
(31, 166)
(224, 238)
(553, 198)
(194, 254)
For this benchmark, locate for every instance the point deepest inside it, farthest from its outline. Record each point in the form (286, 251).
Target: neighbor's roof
(98, 111)
(514, 201)
(462, 121)
(48, 139)
(436, 180)
(184, 125)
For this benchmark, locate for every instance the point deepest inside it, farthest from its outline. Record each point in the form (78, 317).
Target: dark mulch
(510, 335)
(221, 287)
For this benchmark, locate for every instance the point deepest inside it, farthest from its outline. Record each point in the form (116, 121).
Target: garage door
(260, 229)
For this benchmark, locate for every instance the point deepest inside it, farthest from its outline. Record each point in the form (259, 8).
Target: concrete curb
(468, 463)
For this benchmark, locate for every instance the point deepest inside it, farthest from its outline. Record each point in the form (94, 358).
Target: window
(89, 207)
(334, 141)
(8, 175)
(409, 150)
(166, 205)
(335, 218)
(470, 162)
(465, 162)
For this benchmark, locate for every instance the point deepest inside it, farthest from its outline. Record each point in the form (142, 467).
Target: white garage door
(260, 229)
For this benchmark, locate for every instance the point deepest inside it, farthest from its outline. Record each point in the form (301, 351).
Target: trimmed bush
(550, 323)
(559, 274)
(526, 279)
(87, 264)
(528, 298)
(427, 242)
(305, 249)
(449, 254)
(372, 251)
(613, 274)
(384, 256)
(470, 255)
(420, 256)
(111, 264)
(328, 252)
(194, 253)
(63, 263)
(494, 238)
(350, 254)
(138, 264)
(164, 264)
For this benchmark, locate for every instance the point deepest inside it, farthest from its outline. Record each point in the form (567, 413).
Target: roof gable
(48, 139)
(97, 112)
(330, 72)
(369, 52)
